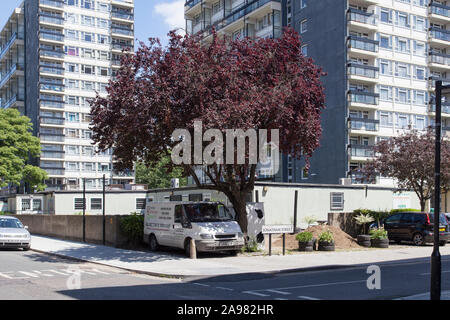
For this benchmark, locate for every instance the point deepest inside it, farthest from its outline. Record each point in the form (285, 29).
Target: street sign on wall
(278, 229)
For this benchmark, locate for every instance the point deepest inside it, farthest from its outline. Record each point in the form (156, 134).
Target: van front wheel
(154, 246)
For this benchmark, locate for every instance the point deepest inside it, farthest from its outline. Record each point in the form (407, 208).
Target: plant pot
(306, 246)
(380, 243)
(326, 246)
(364, 241)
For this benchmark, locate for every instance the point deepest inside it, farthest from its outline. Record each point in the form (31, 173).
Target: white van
(209, 224)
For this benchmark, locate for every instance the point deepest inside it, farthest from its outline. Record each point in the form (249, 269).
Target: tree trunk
(240, 207)
(422, 205)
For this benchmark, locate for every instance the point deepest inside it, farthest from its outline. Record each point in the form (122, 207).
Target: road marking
(201, 285)
(279, 292)
(223, 288)
(428, 274)
(307, 298)
(256, 293)
(49, 273)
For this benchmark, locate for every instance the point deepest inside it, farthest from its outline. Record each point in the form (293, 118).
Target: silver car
(13, 234)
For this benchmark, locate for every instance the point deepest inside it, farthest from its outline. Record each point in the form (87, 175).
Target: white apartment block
(55, 56)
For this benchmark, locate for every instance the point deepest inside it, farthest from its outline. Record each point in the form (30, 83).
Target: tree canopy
(410, 160)
(159, 176)
(17, 145)
(240, 84)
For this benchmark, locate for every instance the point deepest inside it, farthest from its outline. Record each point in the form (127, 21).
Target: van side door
(392, 224)
(177, 233)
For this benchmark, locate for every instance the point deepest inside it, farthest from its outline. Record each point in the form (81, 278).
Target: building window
(96, 204)
(78, 204)
(337, 201)
(304, 26)
(26, 204)
(37, 205)
(305, 50)
(140, 204)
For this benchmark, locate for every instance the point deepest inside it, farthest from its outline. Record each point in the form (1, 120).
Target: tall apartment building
(55, 55)
(382, 58)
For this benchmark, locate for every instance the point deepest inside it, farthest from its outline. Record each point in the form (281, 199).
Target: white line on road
(256, 293)
(428, 274)
(279, 292)
(307, 298)
(223, 288)
(201, 285)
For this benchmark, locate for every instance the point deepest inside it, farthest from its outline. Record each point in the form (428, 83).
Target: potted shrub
(326, 241)
(305, 241)
(363, 220)
(379, 238)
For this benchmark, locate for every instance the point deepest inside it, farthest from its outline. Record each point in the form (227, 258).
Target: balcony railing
(52, 3)
(52, 121)
(362, 151)
(363, 70)
(360, 178)
(8, 45)
(54, 171)
(12, 70)
(363, 44)
(13, 100)
(121, 15)
(364, 124)
(192, 3)
(51, 36)
(123, 31)
(445, 106)
(51, 19)
(440, 34)
(52, 54)
(51, 70)
(439, 58)
(52, 137)
(363, 97)
(361, 16)
(440, 9)
(50, 154)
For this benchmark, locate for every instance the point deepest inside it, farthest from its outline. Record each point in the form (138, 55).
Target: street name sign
(278, 229)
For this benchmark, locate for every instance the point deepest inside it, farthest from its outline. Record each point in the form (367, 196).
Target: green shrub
(378, 234)
(6, 214)
(326, 236)
(251, 246)
(304, 237)
(133, 227)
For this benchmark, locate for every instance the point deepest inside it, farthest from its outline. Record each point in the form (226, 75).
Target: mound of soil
(342, 240)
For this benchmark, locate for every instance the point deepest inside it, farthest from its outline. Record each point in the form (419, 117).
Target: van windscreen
(207, 212)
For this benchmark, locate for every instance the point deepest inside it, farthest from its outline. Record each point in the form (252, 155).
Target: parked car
(416, 227)
(13, 234)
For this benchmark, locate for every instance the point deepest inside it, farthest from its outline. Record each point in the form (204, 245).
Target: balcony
(363, 99)
(52, 88)
(362, 47)
(362, 20)
(52, 70)
(439, 61)
(445, 108)
(236, 14)
(122, 32)
(51, 154)
(359, 178)
(121, 47)
(362, 125)
(439, 37)
(52, 137)
(191, 4)
(15, 67)
(54, 55)
(13, 100)
(52, 37)
(54, 171)
(122, 16)
(360, 152)
(363, 73)
(52, 4)
(52, 121)
(432, 82)
(439, 12)
(8, 45)
(54, 21)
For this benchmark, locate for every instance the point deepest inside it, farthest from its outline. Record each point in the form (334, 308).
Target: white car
(13, 234)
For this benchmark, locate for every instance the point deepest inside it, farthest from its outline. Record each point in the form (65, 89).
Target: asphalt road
(30, 275)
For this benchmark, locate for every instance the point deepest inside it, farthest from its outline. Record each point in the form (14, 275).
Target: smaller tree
(363, 220)
(410, 160)
(159, 176)
(17, 145)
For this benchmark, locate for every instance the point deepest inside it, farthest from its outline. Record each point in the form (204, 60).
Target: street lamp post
(436, 267)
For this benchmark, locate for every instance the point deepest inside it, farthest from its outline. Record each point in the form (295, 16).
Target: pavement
(166, 264)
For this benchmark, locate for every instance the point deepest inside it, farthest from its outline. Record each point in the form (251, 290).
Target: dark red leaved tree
(242, 84)
(410, 160)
